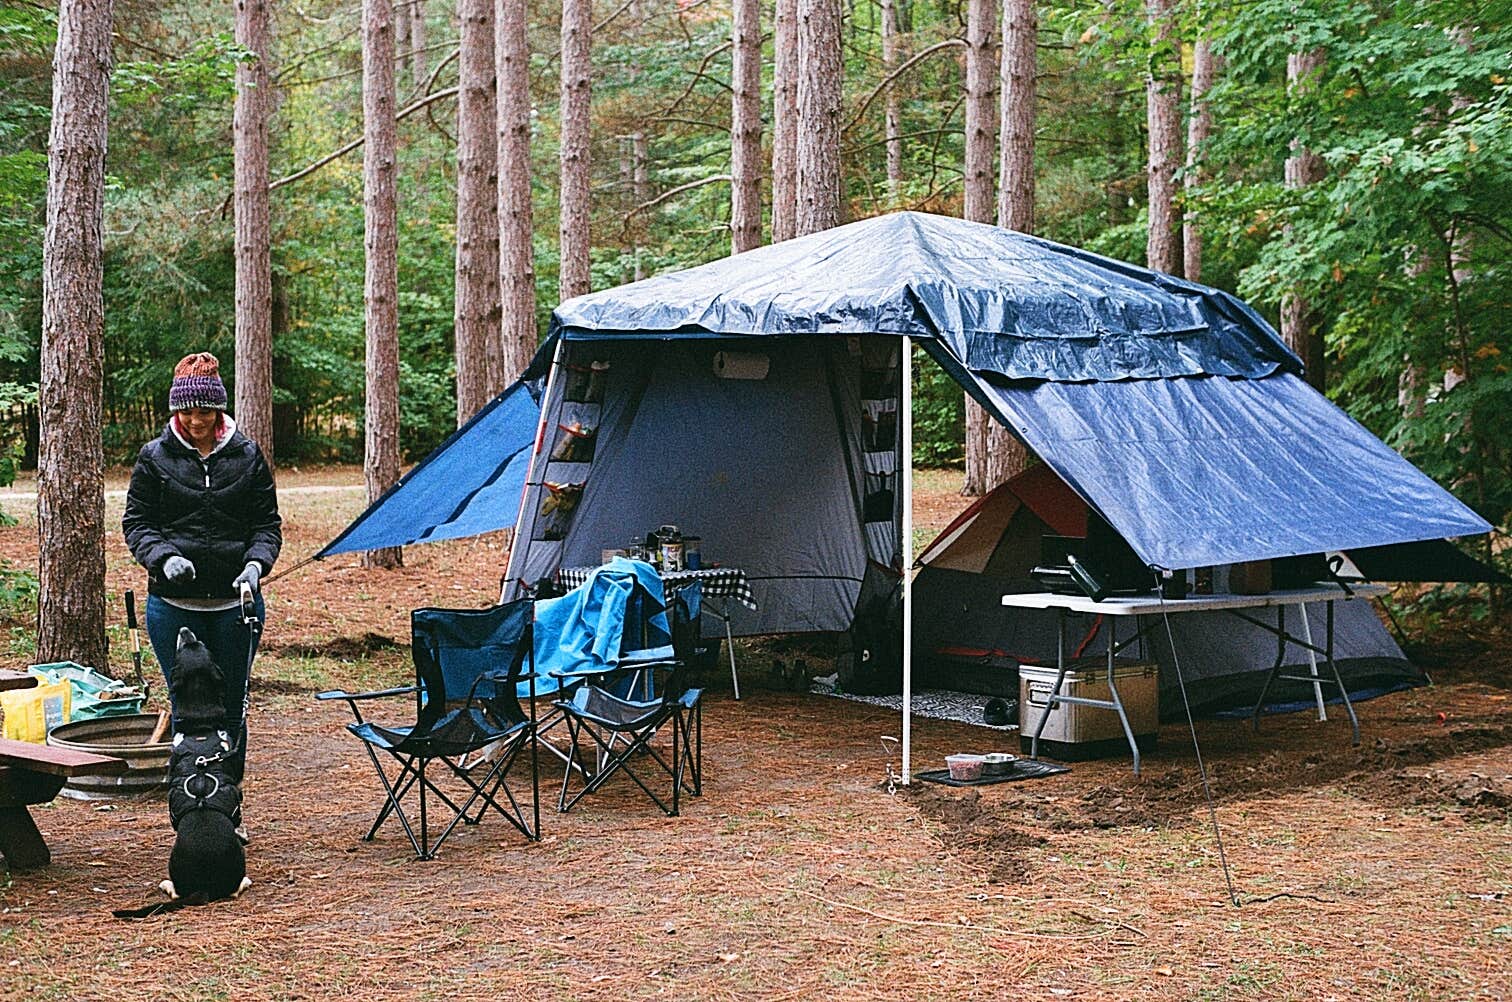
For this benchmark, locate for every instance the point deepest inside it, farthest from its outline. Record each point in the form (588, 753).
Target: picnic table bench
(33, 774)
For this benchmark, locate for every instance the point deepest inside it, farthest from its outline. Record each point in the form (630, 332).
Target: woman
(202, 517)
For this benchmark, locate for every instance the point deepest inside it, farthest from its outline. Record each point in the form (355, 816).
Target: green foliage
(1402, 248)
(18, 592)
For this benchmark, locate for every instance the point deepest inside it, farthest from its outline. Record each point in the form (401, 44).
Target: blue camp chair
(614, 717)
(615, 618)
(486, 654)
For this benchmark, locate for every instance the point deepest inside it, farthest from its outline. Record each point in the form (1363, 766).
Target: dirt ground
(1378, 872)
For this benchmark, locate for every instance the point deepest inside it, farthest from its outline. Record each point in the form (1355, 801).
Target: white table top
(1145, 605)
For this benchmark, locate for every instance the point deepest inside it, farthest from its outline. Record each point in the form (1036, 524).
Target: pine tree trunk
(1019, 99)
(419, 64)
(981, 128)
(1163, 112)
(402, 10)
(819, 95)
(892, 116)
(1199, 127)
(642, 189)
(577, 26)
(1300, 328)
(981, 110)
(517, 291)
(254, 270)
(745, 127)
(480, 359)
(381, 288)
(71, 456)
(785, 122)
(1006, 455)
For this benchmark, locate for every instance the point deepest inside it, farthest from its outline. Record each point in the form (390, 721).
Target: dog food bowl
(964, 767)
(997, 764)
(119, 737)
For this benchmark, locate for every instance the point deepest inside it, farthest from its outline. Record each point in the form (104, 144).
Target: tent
(960, 630)
(761, 401)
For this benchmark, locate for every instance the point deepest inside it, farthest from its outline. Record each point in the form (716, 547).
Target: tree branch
(887, 80)
(669, 193)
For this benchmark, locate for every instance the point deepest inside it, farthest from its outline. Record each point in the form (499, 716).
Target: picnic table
(33, 774)
(16, 680)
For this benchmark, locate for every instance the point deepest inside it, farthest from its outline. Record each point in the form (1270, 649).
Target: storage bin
(1074, 732)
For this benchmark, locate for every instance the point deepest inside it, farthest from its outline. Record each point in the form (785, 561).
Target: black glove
(178, 570)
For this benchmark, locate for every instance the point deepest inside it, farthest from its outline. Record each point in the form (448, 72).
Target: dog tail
(162, 907)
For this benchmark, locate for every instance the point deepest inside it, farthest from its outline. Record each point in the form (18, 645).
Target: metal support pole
(905, 349)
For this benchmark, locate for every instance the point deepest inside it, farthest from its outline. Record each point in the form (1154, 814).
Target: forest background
(1402, 248)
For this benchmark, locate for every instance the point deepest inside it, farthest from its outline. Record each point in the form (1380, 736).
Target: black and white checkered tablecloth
(718, 582)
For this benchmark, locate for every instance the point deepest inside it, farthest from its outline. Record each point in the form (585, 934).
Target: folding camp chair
(643, 639)
(483, 653)
(617, 729)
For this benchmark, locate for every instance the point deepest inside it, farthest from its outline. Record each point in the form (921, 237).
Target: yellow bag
(31, 713)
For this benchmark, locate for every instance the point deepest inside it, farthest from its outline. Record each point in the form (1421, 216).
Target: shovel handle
(131, 620)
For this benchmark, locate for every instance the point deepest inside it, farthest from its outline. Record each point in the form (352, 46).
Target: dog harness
(196, 779)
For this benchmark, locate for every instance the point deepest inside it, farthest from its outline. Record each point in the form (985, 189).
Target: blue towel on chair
(620, 608)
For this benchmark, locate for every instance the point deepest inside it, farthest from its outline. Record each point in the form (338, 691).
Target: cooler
(1075, 733)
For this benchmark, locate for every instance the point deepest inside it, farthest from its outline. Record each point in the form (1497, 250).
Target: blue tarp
(998, 301)
(470, 485)
(1204, 471)
(1172, 408)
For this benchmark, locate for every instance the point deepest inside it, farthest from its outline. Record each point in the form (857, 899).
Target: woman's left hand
(250, 576)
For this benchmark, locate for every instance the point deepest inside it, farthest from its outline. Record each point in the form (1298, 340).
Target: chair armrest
(378, 694)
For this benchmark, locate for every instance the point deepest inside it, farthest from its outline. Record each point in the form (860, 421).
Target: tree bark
(71, 456)
(1163, 112)
(641, 187)
(892, 106)
(517, 291)
(819, 94)
(254, 267)
(577, 27)
(981, 109)
(381, 287)
(745, 127)
(1006, 455)
(1019, 98)
(419, 63)
(1199, 127)
(480, 354)
(402, 10)
(1300, 328)
(981, 128)
(785, 122)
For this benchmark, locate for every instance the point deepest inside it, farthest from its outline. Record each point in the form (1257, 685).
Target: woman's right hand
(178, 570)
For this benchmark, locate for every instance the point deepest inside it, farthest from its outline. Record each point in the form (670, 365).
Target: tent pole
(535, 456)
(907, 551)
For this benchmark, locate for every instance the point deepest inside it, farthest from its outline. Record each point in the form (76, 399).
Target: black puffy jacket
(219, 512)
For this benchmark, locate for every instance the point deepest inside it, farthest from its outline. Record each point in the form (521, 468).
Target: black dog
(208, 861)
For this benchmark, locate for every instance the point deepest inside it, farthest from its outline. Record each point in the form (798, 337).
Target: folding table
(1147, 610)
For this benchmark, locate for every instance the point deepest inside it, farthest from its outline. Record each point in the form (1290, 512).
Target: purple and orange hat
(197, 383)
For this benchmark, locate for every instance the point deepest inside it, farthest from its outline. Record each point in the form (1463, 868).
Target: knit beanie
(197, 383)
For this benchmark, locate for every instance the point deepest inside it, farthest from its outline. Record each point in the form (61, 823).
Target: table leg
(723, 612)
(1270, 676)
(1354, 722)
(1060, 680)
(1123, 718)
(1312, 661)
(20, 842)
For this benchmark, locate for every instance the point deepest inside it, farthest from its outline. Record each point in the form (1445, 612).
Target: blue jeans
(230, 643)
